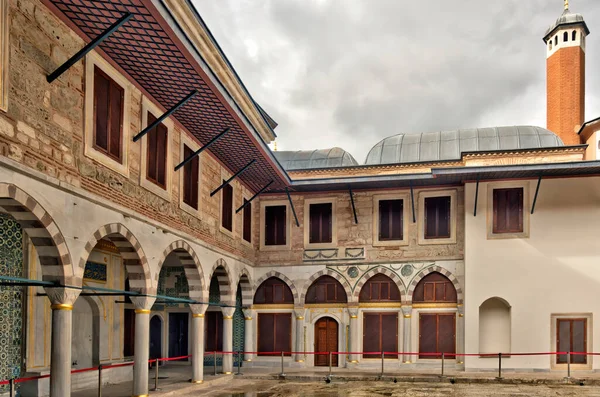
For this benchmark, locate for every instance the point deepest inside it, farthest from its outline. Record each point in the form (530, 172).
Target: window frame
(262, 232)
(554, 317)
(526, 185)
(496, 209)
(93, 60)
(452, 193)
(225, 176)
(251, 205)
(306, 225)
(275, 315)
(193, 145)
(148, 106)
(4, 54)
(405, 219)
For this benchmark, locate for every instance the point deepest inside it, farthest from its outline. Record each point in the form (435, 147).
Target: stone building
(131, 244)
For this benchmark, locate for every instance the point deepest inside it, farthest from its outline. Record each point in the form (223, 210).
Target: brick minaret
(565, 75)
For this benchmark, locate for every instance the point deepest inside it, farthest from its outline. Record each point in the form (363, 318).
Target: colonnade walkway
(174, 379)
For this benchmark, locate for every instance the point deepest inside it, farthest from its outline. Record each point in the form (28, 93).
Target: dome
(567, 18)
(449, 145)
(310, 159)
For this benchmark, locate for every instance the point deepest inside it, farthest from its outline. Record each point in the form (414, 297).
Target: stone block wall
(43, 129)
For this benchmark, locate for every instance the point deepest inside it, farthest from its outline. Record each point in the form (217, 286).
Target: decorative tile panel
(172, 282)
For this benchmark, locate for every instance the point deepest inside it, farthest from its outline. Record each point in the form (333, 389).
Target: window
(508, 210)
(320, 223)
(273, 291)
(157, 153)
(435, 287)
(3, 55)
(326, 289)
(555, 40)
(565, 36)
(275, 225)
(574, 35)
(108, 115)
(391, 220)
(227, 207)
(571, 336)
(380, 334)
(437, 334)
(550, 45)
(274, 333)
(437, 217)
(247, 227)
(190, 179)
(380, 288)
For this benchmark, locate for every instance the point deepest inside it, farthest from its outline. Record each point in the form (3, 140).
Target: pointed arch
(221, 270)
(282, 277)
(43, 232)
(134, 259)
(434, 268)
(325, 272)
(379, 270)
(245, 283)
(191, 266)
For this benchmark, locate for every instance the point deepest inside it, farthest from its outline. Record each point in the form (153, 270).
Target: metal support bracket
(412, 203)
(353, 207)
(197, 152)
(228, 181)
(165, 115)
(537, 189)
(292, 206)
(88, 47)
(253, 197)
(476, 195)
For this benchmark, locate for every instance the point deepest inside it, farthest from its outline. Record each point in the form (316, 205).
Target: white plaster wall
(555, 270)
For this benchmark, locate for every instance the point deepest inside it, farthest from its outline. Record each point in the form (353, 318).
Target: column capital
(461, 310)
(353, 312)
(406, 310)
(198, 308)
(62, 297)
(299, 313)
(228, 312)
(142, 302)
(248, 313)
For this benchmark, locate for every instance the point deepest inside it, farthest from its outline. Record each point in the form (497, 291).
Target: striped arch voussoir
(325, 272)
(380, 270)
(129, 247)
(245, 283)
(419, 276)
(275, 273)
(221, 270)
(191, 266)
(43, 232)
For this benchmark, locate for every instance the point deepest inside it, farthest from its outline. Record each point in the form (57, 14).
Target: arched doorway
(155, 337)
(326, 340)
(274, 328)
(85, 342)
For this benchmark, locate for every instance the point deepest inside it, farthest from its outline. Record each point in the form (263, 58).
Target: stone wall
(43, 129)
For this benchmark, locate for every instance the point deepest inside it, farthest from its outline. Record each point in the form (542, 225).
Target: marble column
(299, 347)
(62, 300)
(354, 335)
(198, 342)
(141, 352)
(228, 339)
(460, 333)
(248, 334)
(406, 333)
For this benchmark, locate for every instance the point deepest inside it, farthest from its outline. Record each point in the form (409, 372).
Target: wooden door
(437, 334)
(380, 334)
(155, 337)
(178, 334)
(326, 340)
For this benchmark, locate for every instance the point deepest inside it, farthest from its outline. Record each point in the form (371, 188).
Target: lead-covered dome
(567, 18)
(310, 159)
(449, 145)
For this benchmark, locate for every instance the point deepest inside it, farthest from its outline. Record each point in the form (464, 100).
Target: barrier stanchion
(442, 365)
(239, 360)
(499, 366)
(11, 385)
(569, 365)
(215, 363)
(156, 375)
(100, 380)
(381, 376)
(282, 374)
(330, 360)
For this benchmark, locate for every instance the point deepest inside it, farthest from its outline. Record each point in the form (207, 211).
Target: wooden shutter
(391, 220)
(389, 334)
(247, 233)
(116, 120)
(190, 179)
(437, 217)
(320, 219)
(283, 333)
(108, 114)
(266, 327)
(446, 335)
(227, 207)
(508, 210)
(275, 225)
(101, 90)
(427, 335)
(371, 334)
(571, 337)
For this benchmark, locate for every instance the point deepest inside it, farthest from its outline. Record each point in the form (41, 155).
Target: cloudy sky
(349, 73)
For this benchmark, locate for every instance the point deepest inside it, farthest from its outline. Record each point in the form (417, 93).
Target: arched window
(550, 45)
(434, 287)
(494, 326)
(273, 290)
(380, 288)
(566, 36)
(556, 40)
(326, 289)
(574, 35)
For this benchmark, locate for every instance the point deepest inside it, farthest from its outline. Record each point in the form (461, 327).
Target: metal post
(442, 364)
(100, 380)
(499, 365)
(239, 360)
(282, 373)
(568, 365)
(156, 375)
(11, 384)
(381, 376)
(330, 360)
(215, 364)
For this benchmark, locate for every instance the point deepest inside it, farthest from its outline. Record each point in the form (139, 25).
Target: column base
(353, 361)
(299, 361)
(227, 373)
(197, 382)
(407, 362)
(248, 360)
